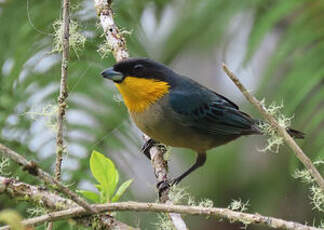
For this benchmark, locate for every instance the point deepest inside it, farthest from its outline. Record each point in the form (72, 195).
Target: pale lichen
(4, 164)
(164, 222)
(76, 39)
(316, 193)
(206, 203)
(304, 175)
(104, 49)
(36, 211)
(178, 195)
(48, 113)
(274, 141)
(238, 205)
(317, 197)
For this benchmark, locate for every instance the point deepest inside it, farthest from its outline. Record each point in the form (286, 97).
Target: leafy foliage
(105, 172)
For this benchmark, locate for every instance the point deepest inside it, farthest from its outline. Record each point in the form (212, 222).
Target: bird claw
(151, 143)
(166, 184)
(163, 186)
(147, 146)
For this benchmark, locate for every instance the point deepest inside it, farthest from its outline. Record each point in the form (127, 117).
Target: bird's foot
(147, 146)
(166, 184)
(162, 186)
(151, 143)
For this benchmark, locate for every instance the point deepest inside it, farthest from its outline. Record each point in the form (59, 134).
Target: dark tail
(292, 132)
(295, 133)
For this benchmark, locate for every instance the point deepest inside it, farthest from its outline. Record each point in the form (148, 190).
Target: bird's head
(143, 68)
(141, 81)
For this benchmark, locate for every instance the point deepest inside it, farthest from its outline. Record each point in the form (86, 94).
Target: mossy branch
(280, 130)
(33, 169)
(220, 213)
(41, 196)
(63, 89)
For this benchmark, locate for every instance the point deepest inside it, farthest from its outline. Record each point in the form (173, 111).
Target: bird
(177, 111)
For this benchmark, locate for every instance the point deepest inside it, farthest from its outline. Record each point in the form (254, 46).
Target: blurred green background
(276, 48)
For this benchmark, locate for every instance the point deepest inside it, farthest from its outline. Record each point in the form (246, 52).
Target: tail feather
(292, 132)
(296, 134)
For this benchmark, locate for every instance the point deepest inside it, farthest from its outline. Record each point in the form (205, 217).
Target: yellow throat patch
(140, 93)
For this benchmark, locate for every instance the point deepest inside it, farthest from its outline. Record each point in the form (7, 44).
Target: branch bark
(280, 130)
(220, 213)
(63, 89)
(117, 44)
(32, 168)
(53, 202)
(63, 94)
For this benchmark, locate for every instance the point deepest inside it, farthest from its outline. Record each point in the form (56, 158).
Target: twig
(35, 194)
(281, 131)
(220, 213)
(115, 39)
(160, 168)
(63, 89)
(117, 44)
(32, 168)
(53, 202)
(63, 94)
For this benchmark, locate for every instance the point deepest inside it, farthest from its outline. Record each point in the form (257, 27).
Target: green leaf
(99, 187)
(121, 190)
(104, 170)
(95, 197)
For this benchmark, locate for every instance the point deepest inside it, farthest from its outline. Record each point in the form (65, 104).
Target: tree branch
(63, 94)
(34, 194)
(280, 130)
(63, 89)
(41, 196)
(32, 168)
(220, 213)
(117, 44)
(160, 168)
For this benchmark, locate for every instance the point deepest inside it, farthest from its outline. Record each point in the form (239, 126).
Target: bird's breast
(141, 93)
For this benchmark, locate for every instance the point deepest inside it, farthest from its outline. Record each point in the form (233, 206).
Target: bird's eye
(138, 67)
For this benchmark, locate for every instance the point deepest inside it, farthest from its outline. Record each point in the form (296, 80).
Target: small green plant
(106, 174)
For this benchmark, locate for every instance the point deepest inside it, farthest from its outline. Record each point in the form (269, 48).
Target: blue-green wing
(208, 112)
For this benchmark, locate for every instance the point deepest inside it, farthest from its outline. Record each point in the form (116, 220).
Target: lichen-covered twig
(41, 196)
(32, 168)
(63, 89)
(63, 94)
(160, 168)
(115, 39)
(117, 44)
(220, 213)
(34, 194)
(281, 131)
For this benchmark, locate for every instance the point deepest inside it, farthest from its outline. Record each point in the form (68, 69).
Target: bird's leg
(200, 160)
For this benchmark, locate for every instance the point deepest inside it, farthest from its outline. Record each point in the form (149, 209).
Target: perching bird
(174, 110)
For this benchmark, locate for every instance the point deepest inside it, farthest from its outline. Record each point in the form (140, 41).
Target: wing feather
(210, 113)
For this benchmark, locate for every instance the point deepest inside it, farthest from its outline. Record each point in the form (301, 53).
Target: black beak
(113, 75)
